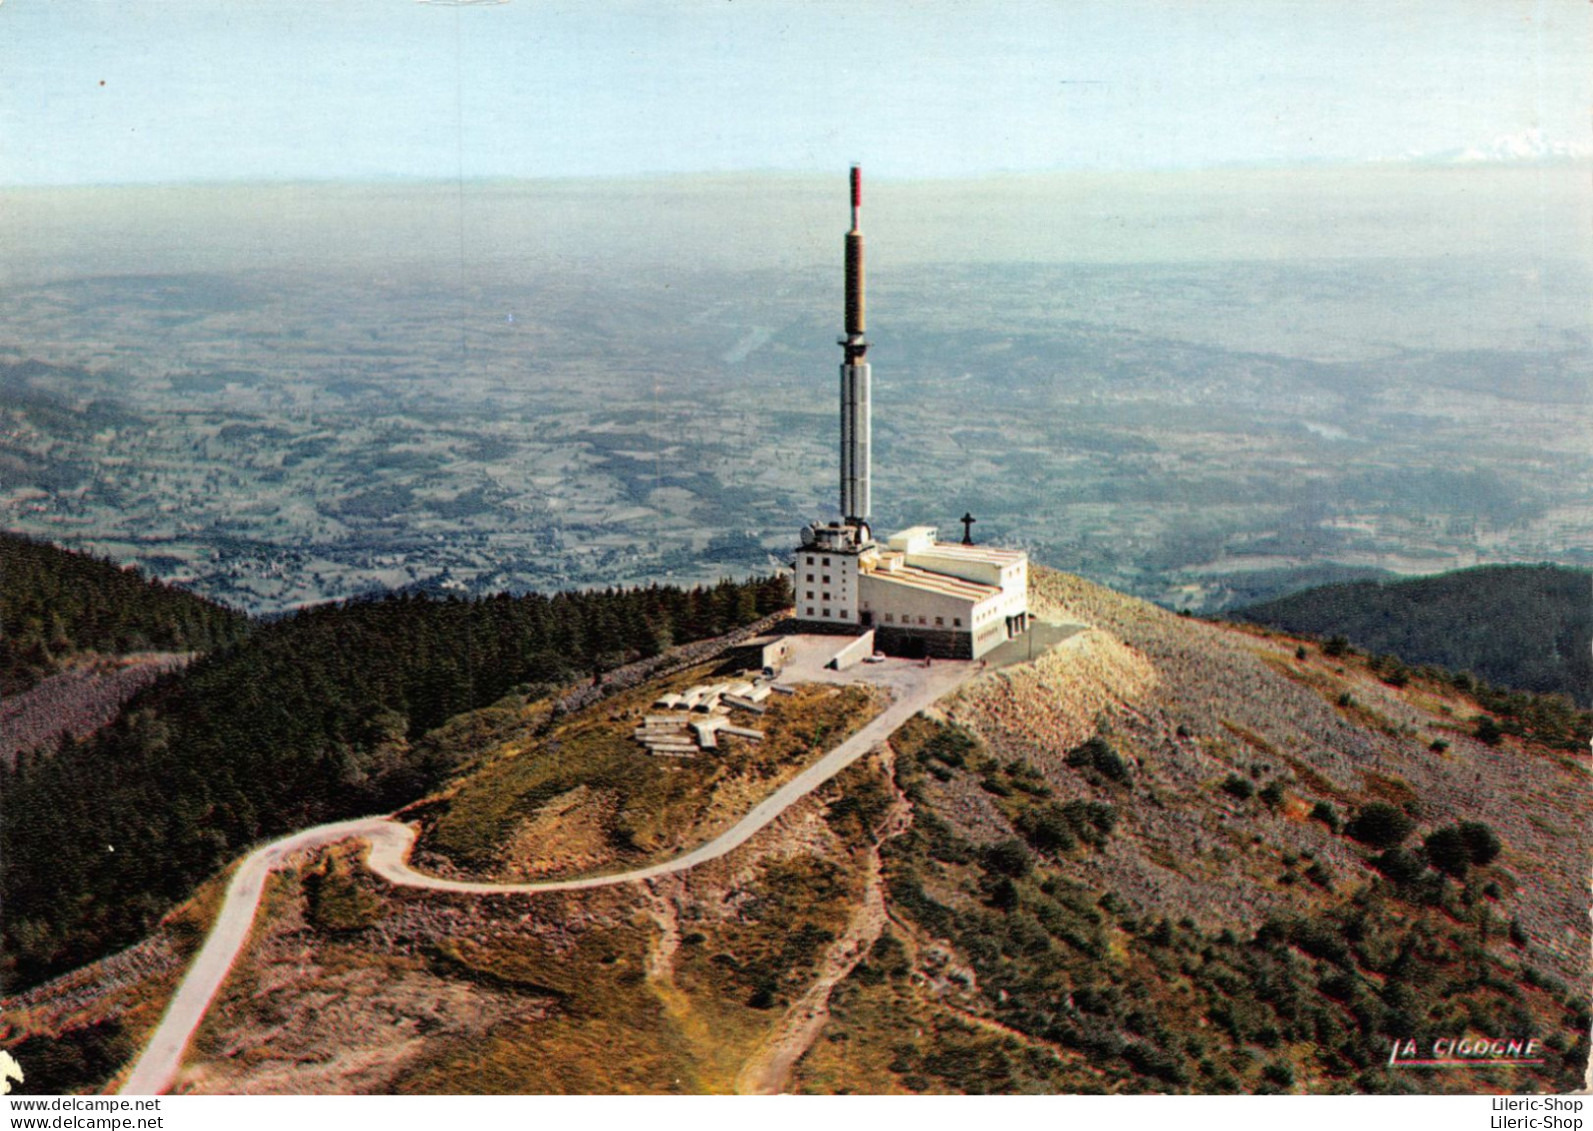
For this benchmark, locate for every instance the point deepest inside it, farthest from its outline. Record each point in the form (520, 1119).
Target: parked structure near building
(690, 721)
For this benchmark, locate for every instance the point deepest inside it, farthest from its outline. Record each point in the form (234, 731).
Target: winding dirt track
(390, 843)
(768, 1071)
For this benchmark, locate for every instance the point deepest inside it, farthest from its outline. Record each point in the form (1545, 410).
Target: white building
(921, 596)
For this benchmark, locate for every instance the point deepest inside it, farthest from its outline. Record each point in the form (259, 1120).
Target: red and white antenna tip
(857, 186)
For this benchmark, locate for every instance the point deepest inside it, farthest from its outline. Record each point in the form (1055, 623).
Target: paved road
(158, 1064)
(914, 686)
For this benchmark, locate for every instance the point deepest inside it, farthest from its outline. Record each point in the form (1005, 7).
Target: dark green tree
(1380, 825)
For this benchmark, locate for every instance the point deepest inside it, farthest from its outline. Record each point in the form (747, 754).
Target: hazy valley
(1200, 389)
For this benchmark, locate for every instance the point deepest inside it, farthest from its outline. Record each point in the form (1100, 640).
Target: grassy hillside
(1182, 858)
(55, 604)
(1168, 856)
(1520, 627)
(576, 797)
(320, 715)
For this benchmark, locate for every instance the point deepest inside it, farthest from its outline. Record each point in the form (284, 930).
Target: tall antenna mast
(856, 395)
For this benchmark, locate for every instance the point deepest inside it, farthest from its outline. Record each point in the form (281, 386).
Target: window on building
(890, 618)
(826, 579)
(826, 561)
(921, 620)
(826, 612)
(940, 622)
(826, 596)
(810, 562)
(810, 576)
(810, 610)
(810, 594)
(956, 622)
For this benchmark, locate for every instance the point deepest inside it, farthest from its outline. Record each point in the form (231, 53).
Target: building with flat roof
(920, 596)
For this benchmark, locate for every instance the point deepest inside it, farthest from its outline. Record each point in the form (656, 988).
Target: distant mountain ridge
(1526, 627)
(1528, 147)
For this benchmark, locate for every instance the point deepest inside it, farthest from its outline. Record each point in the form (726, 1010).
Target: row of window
(890, 618)
(810, 562)
(826, 578)
(810, 595)
(995, 610)
(940, 622)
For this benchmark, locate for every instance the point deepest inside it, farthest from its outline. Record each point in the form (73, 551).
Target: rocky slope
(1130, 859)
(78, 701)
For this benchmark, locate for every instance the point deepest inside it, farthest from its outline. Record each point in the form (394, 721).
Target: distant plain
(1199, 388)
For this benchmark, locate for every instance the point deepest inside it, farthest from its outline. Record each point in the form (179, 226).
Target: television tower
(856, 426)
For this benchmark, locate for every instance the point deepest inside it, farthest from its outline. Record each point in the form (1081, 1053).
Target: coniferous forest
(55, 604)
(1524, 627)
(293, 722)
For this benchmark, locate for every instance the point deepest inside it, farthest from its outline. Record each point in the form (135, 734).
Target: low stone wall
(676, 659)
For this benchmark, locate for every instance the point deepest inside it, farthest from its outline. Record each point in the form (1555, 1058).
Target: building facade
(921, 596)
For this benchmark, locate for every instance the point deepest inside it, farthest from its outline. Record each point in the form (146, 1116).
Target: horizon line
(1411, 164)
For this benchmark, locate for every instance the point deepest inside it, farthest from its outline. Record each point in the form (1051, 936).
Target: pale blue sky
(113, 91)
